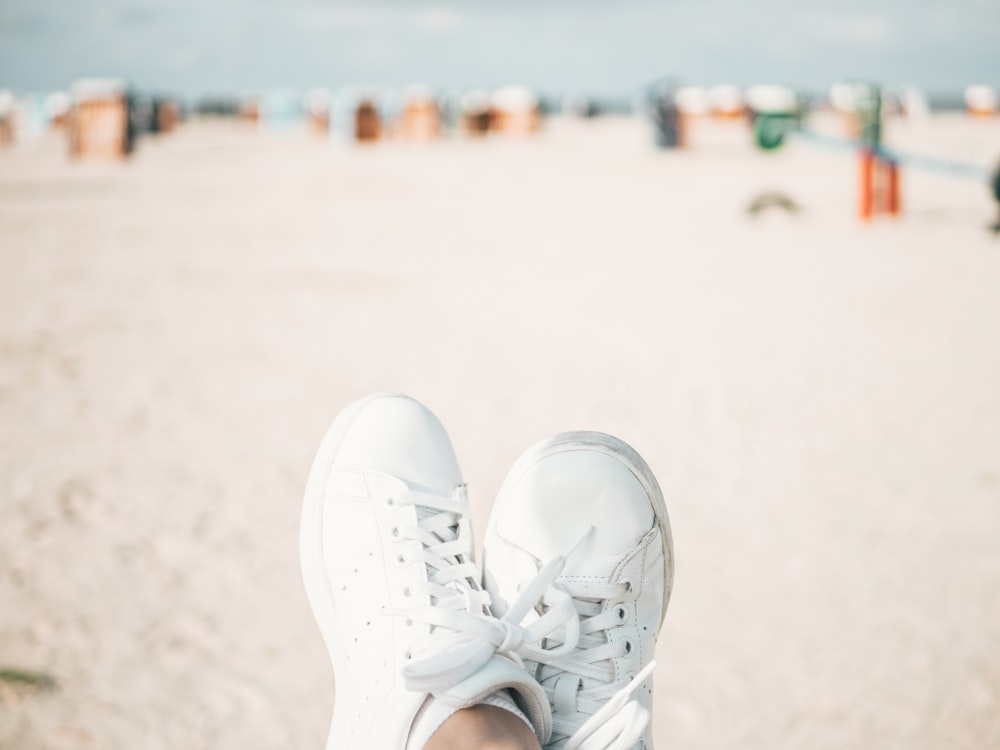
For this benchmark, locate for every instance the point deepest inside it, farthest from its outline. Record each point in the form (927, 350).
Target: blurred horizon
(611, 49)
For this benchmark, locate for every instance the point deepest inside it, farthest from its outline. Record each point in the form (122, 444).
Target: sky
(608, 47)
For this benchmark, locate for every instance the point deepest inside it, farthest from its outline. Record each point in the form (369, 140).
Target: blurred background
(756, 241)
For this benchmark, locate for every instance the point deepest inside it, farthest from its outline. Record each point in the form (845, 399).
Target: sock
(435, 712)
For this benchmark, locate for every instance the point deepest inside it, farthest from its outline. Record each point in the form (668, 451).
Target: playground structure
(878, 186)
(776, 113)
(772, 111)
(880, 167)
(878, 190)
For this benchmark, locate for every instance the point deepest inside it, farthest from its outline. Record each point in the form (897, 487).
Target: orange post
(866, 203)
(892, 169)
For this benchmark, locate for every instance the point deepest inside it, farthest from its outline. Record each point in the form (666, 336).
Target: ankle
(483, 727)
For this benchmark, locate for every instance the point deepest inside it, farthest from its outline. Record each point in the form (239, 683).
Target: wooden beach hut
(99, 121)
(58, 108)
(317, 106)
(515, 110)
(6, 118)
(166, 115)
(692, 105)
(726, 102)
(474, 112)
(367, 121)
(420, 118)
(248, 110)
(981, 101)
(693, 102)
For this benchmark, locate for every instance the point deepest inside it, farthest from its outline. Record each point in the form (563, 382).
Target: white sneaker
(591, 497)
(386, 551)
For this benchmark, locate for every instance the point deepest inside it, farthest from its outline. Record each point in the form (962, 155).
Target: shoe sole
(623, 452)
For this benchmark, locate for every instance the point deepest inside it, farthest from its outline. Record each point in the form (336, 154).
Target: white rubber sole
(623, 452)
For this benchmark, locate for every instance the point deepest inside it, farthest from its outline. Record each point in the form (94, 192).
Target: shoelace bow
(464, 635)
(592, 711)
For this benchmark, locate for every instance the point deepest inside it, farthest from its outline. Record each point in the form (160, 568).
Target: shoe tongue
(424, 512)
(458, 492)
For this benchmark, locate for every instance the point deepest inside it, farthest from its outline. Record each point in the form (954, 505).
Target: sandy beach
(819, 399)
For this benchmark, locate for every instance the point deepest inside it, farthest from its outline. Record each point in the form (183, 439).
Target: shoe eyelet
(622, 614)
(401, 560)
(406, 593)
(627, 583)
(395, 532)
(390, 501)
(628, 646)
(629, 676)
(408, 622)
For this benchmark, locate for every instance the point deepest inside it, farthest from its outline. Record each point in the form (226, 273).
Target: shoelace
(592, 711)
(464, 635)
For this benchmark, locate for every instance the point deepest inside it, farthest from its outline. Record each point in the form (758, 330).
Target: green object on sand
(24, 678)
(769, 129)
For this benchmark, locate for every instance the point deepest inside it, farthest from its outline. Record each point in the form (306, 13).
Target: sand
(819, 399)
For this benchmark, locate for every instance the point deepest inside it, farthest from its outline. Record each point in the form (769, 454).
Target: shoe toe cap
(559, 499)
(397, 435)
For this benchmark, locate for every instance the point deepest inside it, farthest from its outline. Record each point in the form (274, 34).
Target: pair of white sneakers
(577, 572)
